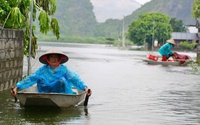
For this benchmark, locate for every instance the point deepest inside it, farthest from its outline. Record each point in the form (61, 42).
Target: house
(185, 36)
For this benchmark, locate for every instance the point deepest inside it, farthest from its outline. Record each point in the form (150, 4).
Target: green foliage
(16, 19)
(44, 22)
(110, 39)
(196, 9)
(148, 27)
(177, 25)
(195, 66)
(4, 10)
(49, 6)
(76, 39)
(15, 14)
(186, 45)
(55, 27)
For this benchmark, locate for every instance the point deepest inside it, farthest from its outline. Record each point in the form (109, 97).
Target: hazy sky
(115, 9)
(142, 1)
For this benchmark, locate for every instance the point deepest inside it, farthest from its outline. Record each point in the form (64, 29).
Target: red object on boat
(152, 57)
(181, 57)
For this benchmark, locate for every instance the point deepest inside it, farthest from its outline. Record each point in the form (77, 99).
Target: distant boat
(31, 98)
(154, 60)
(167, 63)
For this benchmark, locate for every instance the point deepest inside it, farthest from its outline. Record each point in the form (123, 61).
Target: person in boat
(53, 76)
(166, 50)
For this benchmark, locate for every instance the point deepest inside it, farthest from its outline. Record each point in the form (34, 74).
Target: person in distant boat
(166, 50)
(53, 76)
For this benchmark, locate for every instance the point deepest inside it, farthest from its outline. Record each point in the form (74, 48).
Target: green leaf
(55, 27)
(16, 18)
(44, 22)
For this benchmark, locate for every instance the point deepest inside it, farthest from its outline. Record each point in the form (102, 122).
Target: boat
(155, 60)
(30, 98)
(167, 63)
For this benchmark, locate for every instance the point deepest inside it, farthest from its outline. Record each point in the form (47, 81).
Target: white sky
(142, 1)
(115, 9)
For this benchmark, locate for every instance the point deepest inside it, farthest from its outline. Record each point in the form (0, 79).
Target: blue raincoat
(48, 79)
(165, 50)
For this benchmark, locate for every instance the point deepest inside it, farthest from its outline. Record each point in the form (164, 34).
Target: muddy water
(126, 91)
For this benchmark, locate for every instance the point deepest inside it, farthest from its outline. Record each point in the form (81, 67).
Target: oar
(14, 96)
(87, 98)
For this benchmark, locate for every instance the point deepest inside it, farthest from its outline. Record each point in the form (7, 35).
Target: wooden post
(198, 52)
(198, 57)
(198, 47)
(123, 34)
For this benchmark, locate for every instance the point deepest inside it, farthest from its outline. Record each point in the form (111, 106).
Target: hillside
(76, 17)
(180, 9)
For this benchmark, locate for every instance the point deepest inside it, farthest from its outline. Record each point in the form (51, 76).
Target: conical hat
(43, 57)
(171, 41)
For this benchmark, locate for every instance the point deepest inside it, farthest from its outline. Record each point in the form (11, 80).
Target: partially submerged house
(185, 36)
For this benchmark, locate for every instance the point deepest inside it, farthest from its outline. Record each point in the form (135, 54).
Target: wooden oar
(14, 96)
(87, 98)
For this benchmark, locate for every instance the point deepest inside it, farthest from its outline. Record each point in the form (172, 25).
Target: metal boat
(30, 97)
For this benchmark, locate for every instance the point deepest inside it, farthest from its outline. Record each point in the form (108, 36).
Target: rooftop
(184, 36)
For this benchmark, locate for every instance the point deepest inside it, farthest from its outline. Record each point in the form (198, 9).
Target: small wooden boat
(30, 97)
(167, 63)
(181, 60)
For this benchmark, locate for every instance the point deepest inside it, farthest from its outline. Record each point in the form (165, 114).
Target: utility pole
(123, 34)
(153, 36)
(30, 37)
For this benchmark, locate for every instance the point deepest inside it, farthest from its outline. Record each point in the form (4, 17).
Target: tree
(196, 9)
(177, 25)
(15, 14)
(148, 27)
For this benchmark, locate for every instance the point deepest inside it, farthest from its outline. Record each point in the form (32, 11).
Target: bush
(186, 45)
(76, 39)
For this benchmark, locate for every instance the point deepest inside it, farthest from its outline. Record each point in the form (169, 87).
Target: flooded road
(126, 91)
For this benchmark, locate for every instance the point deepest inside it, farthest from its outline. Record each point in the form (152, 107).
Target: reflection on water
(38, 115)
(12, 114)
(126, 91)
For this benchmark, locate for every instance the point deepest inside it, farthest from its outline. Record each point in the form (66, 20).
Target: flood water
(126, 91)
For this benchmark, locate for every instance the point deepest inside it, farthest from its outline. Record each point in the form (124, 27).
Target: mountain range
(77, 17)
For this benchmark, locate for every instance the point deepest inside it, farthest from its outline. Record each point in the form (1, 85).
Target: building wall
(11, 57)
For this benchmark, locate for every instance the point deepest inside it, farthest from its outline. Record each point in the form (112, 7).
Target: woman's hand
(174, 58)
(88, 91)
(14, 91)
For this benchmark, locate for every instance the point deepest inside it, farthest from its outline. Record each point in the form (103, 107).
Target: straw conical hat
(43, 57)
(171, 41)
